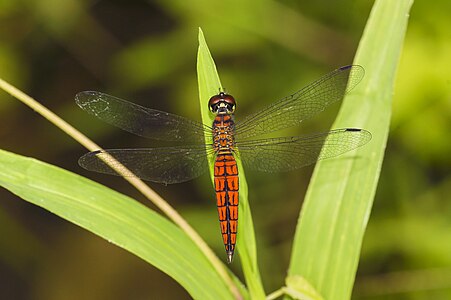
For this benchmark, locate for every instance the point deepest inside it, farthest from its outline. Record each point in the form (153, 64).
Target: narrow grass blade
(338, 202)
(116, 218)
(209, 85)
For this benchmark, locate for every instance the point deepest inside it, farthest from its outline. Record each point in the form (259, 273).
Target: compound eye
(213, 103)
(221, 100)
(229, 100)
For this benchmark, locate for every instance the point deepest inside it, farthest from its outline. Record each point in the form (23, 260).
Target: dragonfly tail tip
(229, 257)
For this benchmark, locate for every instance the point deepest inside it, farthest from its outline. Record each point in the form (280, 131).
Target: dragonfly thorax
(222, 104)
(223, 133)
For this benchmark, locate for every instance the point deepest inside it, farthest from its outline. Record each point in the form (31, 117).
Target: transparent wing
(164, 165)
(289, 153)
(303, 104)
(142, 121)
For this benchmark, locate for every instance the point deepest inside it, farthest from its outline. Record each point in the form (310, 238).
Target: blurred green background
(145, 51)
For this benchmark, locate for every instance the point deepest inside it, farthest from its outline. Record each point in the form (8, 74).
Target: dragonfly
(220, 144)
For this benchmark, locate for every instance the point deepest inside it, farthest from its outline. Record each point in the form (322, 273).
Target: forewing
(142, 121)
(303, 104)
(289, 153)
(164, 165)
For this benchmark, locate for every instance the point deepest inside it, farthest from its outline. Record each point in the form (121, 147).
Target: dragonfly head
(222, 104)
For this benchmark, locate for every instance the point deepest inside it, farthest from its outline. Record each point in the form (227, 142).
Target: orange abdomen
(226, 187)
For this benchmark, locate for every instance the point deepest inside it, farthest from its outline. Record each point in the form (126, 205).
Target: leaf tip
(201, 37)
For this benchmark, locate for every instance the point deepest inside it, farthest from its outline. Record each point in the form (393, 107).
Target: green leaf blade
(339, 199)
(116, 218)
(209, 85)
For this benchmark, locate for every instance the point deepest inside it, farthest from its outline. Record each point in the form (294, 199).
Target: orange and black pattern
(226, 181)
(226, 186)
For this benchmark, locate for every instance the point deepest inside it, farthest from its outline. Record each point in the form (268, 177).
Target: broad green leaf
(209, 85)
(116, 218)
(339, 198)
